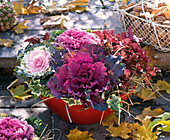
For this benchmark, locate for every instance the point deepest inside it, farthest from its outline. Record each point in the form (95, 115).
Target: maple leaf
(121, 131)
(53, 22)
(163, 85)
(18, 29)
(18, 7)
(110, 120)
(146, 94)
(150, 51)
(20, 92)
(147, 113)
(141, 132)
(6, 42)
(29, 9)
(76, 134)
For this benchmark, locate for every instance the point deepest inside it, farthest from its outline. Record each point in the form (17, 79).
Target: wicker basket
(153, 34)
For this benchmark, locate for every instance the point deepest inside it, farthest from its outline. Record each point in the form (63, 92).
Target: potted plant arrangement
(83, 76)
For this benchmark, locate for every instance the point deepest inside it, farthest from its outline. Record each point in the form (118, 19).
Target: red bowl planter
(75, 112)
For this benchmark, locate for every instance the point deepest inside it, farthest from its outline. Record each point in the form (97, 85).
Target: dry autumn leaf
(167, 13)
(146, 94)
(163, 85)
(54, 9)
(76, 134)
(110, 120)
(76, 5)
(6, 42)
(29, 9)
(150, 51)
(20, 92)
(141, 132)
(18, 29)
(147, 113)
(158, 11)
(53, 22)
(121, 131)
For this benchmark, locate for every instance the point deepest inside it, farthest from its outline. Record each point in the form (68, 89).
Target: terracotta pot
(75, 113)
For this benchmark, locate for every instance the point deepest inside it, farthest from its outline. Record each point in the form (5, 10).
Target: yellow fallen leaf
(29, 9)
(110, 120)
(20, 92)
(18, 7)
(76, 134)
(146, 94)
(3, 115)
(121, 131)
(76, 5)
(163, 85)
(19, 28)
(140, 132)
(6, 42)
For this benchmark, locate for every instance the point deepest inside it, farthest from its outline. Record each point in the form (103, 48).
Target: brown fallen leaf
(121, 131)
(167, 13)
(147, 113)
(150, 51)
(32, 9)
(6, 43)
(158, 11)
(53, 22)
(18, 29)
(76, 134)
(29, 9)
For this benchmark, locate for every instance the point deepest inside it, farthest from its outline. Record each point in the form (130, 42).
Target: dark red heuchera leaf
(46, 37)
(33, 40)
(36, 40)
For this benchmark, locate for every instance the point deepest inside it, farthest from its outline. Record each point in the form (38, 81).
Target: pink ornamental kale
(14, 129)
(74, 39)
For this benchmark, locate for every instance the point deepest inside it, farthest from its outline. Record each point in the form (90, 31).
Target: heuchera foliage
(85, 75)
(128, 47)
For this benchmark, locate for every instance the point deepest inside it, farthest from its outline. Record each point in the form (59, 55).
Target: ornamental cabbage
(74, 39)
(14, 129)
(84, 76)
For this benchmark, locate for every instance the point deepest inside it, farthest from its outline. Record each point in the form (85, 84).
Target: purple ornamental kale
(85, 74)
(79, 74)
(74, 39)
(14, 129)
